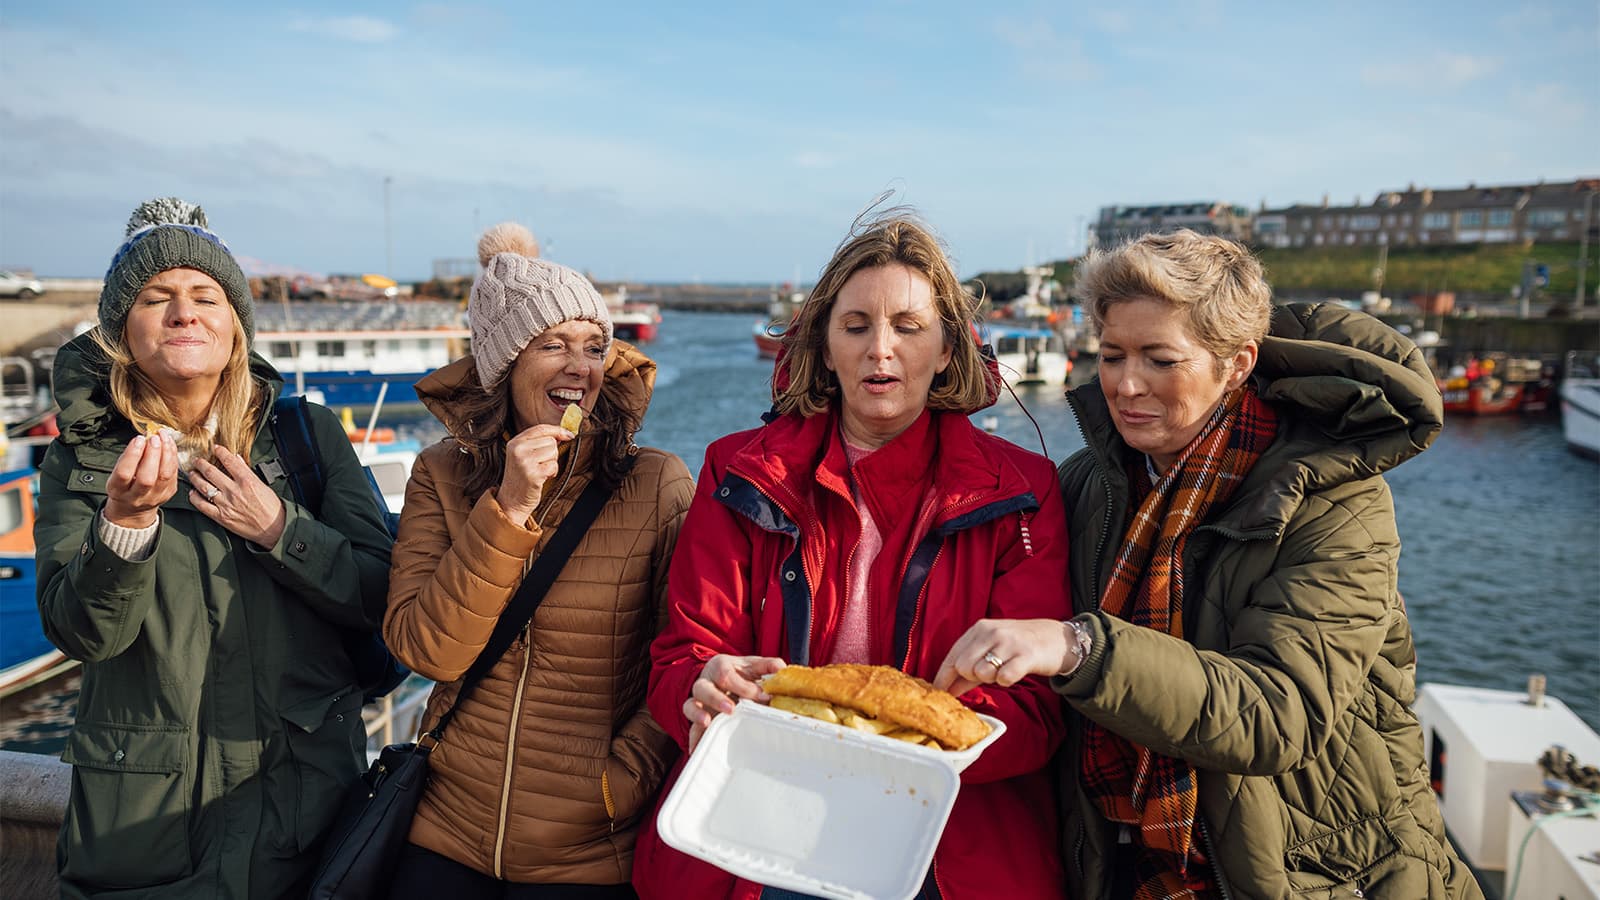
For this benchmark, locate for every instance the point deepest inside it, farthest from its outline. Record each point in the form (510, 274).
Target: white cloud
(1440, 70)
(357, 29)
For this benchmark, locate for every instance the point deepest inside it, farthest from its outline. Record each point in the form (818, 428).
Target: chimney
(1427, 196)
(1324, 199)
(1411, 187)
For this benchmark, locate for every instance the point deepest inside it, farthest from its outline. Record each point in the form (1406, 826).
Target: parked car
(19, 286)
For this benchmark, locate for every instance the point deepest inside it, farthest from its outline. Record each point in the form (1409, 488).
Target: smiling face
(565, 364)
(1162, 385)
(885, 343)
(180, 332)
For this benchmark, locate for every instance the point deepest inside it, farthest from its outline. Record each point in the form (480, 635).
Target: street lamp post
(388, 241)
(1583, 249)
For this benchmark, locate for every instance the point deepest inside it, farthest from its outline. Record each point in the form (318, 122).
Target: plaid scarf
(1132, 784)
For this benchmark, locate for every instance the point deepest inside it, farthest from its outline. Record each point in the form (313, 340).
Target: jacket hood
(1355, 396)
(627, 367)
(80, 380)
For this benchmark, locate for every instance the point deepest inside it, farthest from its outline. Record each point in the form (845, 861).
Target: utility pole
(1583, 250)
(388, 241)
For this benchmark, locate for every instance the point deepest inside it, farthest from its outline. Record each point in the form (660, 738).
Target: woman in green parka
(1241, 667)
(219, 719)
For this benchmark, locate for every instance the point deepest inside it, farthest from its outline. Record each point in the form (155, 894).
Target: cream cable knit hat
(518, 296)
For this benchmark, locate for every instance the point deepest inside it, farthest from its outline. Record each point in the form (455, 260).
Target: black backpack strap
(519, 612)
(297, 451)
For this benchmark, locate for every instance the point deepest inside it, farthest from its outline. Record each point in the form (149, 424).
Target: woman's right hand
(144, 477)
(724, 678)
(531, 460)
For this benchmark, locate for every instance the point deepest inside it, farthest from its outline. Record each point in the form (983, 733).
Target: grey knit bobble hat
(518, 296)
(169, 233)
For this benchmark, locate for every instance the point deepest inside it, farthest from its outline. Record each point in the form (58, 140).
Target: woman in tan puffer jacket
(538, 784)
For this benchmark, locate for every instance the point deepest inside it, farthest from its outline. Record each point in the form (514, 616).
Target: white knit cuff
(132, 544)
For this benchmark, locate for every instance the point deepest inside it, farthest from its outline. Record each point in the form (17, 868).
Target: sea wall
(33, 798)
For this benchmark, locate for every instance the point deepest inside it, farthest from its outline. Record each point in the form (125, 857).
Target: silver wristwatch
(1085, 643)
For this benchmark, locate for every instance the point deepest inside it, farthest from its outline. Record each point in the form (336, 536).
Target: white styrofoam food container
(792, 802)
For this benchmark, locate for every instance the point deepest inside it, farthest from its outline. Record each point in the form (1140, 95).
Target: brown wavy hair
(803, 384)
(485, 421)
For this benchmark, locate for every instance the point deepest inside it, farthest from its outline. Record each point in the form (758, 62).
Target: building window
(1436, 220)
(330, 348)
(280, 350)
(1405, 220)
(1501, 217)
(1471, 218)
(1364, 223)
(1546, 217)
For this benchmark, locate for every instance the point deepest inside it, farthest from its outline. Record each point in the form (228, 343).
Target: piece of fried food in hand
(816, 709)
(887, 695)
(572, 418)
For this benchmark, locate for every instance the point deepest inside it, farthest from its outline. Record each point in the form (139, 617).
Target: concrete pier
(33, 799)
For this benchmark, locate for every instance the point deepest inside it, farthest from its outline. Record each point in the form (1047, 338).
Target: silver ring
(993, 660)
(211, 494)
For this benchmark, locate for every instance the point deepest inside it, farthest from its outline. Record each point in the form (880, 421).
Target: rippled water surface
(1500, 525)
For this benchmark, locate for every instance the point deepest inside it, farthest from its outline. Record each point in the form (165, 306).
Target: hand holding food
(877, 699)
(144, 477)
(723, 679)
(531, 460)
(1005, 651)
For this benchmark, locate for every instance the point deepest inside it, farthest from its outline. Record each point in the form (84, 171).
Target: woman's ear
(1243, 363)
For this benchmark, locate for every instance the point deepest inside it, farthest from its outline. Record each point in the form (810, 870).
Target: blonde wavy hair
(804, 384)
(1220, 287)
(237, 405)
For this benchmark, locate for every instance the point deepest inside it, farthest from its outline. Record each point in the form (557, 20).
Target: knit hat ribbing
(169, 233)
(517, 297)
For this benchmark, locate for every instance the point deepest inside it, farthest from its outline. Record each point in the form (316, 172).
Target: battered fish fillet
(887, 695)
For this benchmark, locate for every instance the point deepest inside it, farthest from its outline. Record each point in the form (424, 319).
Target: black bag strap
(297, 451)
(519, 612)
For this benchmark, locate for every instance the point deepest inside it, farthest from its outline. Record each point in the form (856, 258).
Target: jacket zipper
(1211, 857)
(811, 613)
(511, 750)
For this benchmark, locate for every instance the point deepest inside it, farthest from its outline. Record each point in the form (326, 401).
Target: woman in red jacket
(870, 522)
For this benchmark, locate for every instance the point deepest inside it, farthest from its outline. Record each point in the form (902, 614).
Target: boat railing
(398, 713)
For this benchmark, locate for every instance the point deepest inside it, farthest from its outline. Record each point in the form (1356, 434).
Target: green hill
(1485, 269)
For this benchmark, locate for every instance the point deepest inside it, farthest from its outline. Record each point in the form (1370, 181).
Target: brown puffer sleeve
(447, 591)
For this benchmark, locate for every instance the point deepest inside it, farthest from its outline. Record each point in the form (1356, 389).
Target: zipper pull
(1027, 539)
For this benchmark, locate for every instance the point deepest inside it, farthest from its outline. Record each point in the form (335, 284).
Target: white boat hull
(1580, 415)
(1045, 368)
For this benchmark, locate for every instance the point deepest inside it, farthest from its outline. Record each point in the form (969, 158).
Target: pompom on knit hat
(518, 296)
(169, 233)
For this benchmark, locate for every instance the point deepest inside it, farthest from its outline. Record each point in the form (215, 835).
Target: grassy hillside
(1490, 269)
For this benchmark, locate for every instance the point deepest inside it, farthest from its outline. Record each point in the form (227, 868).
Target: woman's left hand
(1005, 651)
(232, 496)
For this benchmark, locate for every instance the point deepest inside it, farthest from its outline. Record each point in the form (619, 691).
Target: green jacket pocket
(127, 821)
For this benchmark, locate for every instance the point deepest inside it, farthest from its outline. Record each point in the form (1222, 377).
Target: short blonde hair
(803, 383)
(1217, 283)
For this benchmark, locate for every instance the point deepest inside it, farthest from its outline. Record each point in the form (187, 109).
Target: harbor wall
(33, 800)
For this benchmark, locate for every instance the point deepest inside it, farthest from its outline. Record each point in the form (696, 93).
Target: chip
(572, 418)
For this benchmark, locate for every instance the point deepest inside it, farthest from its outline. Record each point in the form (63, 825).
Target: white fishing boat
(1517, 786)
(1580, 405)
(342, 354)
(1029, 354)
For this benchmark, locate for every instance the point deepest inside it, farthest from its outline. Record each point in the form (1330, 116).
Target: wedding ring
(993, 660)
(212, 494)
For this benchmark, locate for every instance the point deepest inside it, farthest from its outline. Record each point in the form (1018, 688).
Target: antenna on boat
(372, 420)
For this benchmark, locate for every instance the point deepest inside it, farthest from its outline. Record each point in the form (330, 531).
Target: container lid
(792, 802)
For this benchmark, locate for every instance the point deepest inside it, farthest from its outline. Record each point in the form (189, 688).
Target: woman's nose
(882, 343)
(182, 312)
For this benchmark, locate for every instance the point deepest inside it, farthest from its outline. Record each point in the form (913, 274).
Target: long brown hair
(237, 404)
(485, 421)
(892, 237)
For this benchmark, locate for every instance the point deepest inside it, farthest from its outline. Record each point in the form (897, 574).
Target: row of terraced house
(1543, 211)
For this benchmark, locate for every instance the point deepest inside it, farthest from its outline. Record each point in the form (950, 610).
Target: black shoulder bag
(360, 853)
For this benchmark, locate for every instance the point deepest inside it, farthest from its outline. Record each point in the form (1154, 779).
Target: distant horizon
(683, 144)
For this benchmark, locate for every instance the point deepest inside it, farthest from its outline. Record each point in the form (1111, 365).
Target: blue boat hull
(359, 388)
(21, 636)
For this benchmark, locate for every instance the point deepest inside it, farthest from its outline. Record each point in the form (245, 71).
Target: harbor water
(1500, 525)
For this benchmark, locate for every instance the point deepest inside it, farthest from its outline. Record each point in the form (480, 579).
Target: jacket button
(87, 478)
(339, 717)
(299, 546)
(789, 575)
(724, 492)
(118, 756)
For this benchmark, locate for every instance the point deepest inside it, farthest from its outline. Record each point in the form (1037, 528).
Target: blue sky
(679, 141)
